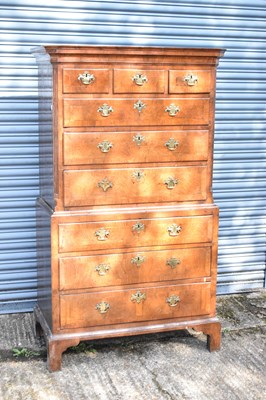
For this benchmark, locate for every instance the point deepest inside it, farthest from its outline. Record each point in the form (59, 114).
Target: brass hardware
(102, 307)
(173, 262)
(105, 146)
(173, 300)
(105, 110)
(138, 227)
(174, 230)
(102, 269)
(139, 79)
(86, 78)
(138, 297)
(172, 110)
(138, 139)
(138, 174)
(171, 182)
(139, 106)
(171, 144)
(138, 260)
(191, 80)
(104, 184)
(102, 234)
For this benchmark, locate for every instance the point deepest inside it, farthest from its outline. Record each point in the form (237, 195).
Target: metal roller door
(240, 144)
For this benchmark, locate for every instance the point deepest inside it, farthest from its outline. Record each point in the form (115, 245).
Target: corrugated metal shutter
(239, 168)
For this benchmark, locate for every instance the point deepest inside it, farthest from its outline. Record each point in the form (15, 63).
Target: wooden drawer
(87, 236)
(134, 147)
(100, 80)
(139, 81)
(83, 272)
(134, 185)
(139, 304)
(190, 81)
(123, 112)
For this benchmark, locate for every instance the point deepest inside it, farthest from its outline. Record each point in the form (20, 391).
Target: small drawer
(84, 272)
(136, 112)
(139, 304)
(134, 185)
(190, 81)
(86, 80)
(89, 236)
(139, 81)
(134, 147)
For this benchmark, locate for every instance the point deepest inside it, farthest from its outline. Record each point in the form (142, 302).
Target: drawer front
(190, 81)
(85, 272)
(134, 147)
(141, 304)
(124, 112)
(139, 81)
(102, 235)
(86, 80)
(134, 185)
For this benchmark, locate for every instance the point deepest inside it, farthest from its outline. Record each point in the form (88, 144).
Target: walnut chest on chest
(127, 228)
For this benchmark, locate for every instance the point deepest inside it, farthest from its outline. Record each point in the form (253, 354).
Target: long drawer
(83, 272)
(134, 147)
(134, 185)
(136, 112)
(86, 236)
(139, 304)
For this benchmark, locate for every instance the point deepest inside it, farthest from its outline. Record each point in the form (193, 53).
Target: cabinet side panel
(46, 133)
(44, 260)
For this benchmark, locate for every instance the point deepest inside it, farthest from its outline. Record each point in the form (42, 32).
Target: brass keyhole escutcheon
(138, 139)
(138, 297)
(139, 105)
(102, 307)
(86, 78)
(138, 227)
(173, 300)
(138, 260)
(138, 175)
(105, 184)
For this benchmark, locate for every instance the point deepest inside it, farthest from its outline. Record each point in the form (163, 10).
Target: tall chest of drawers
(127, 228)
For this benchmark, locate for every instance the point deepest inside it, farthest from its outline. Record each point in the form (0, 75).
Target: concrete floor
(154, 367)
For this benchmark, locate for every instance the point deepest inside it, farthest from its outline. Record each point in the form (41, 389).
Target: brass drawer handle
(171, 144)
(138, 260)
(138, 227)
(172, 110)
(191, 80)
(171, 182)
(174, 230)
(173, 300)
(102, 307)
(138, 139)
(139, 105)
(86, 78)
(138, 297)
(105, 110)
(139, 79)
(105, 146)
(105, 184)
(102, 234)
(102, 269)
(173, 262)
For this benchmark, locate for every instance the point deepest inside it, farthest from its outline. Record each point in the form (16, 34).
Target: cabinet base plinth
(58, 343)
